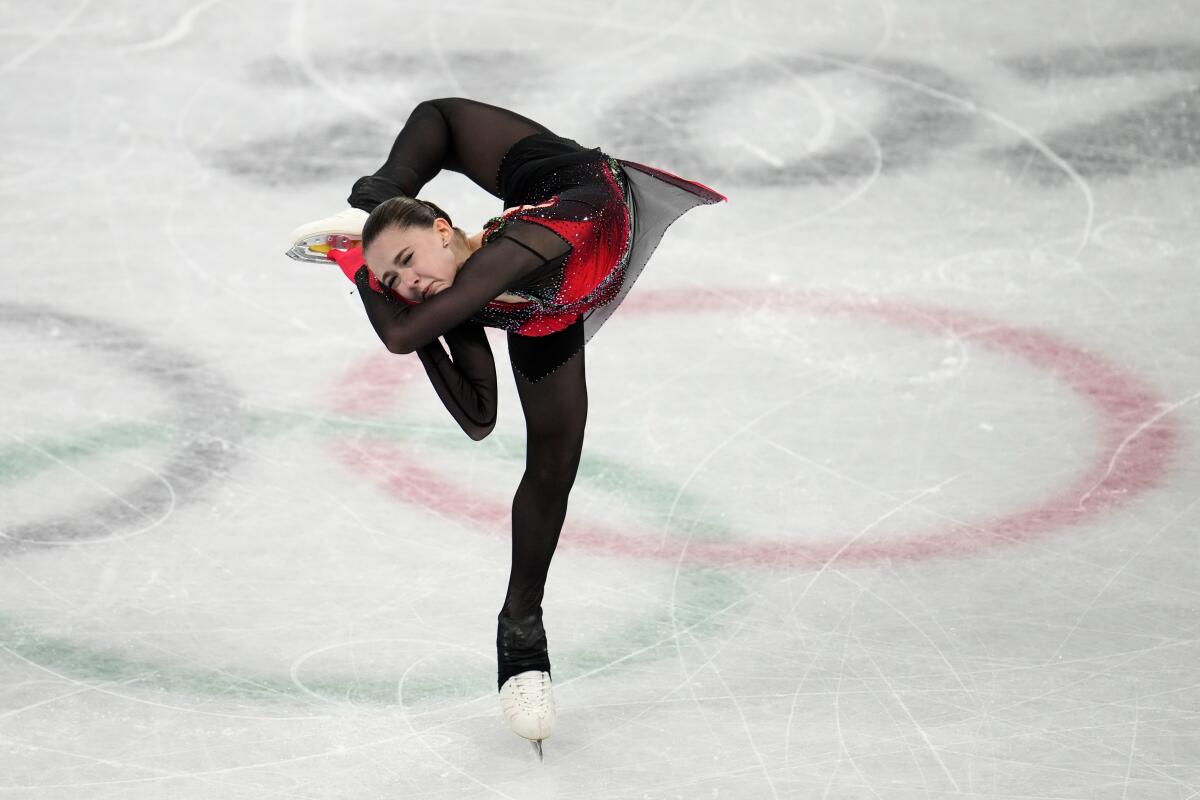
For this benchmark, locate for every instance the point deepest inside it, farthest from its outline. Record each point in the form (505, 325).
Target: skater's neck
(465, 245)
(475, 241)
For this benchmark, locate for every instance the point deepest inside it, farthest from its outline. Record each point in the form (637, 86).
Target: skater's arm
(466, 384)
(503, 264)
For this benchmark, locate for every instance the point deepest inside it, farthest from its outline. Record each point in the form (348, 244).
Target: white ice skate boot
(342, 231)
(527, 700)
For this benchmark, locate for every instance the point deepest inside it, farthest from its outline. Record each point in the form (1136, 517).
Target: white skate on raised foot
(527, 700)
(342, 231)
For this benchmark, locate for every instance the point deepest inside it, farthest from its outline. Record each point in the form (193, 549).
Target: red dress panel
(592, 217)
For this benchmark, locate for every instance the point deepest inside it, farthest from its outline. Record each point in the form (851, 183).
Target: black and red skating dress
(578, 228)
(607, 216)
(612, 213)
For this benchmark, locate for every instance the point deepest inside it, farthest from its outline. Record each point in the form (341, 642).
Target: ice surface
(890, 487)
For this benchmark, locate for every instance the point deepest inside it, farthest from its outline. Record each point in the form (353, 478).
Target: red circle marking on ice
(1134, 456)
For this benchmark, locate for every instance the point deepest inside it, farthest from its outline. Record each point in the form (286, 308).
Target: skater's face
(416, 263)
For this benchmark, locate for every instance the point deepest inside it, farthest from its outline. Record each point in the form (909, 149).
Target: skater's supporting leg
(555, 409)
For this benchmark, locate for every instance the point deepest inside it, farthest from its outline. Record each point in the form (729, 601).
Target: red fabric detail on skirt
(597, 246)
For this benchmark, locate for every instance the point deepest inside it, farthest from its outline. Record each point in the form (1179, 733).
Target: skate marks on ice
(923, 113)
(202, 430)
(389, 69)
(1160, 132)
(314, 153)
(197, 428)
(328, 142)
(799, 127)
(909, 125)
(913, 127)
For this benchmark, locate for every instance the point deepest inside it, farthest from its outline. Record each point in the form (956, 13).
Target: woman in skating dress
(577, 229)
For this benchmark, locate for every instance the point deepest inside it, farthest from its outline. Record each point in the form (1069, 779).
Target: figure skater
(577, 229)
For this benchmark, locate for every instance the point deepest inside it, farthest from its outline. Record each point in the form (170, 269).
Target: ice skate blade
(537, 746)
(315, 249)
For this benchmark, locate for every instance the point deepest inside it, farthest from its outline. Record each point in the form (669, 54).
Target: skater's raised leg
(452, 133)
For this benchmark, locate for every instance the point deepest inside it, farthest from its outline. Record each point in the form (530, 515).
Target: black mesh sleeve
(542, 242)
(466, 384)
(465, 381)
(502, 264)
(471, 138)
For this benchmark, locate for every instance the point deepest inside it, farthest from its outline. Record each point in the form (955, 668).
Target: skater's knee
(554, 471)
(426, 107)
(557, 476)
(443, 105)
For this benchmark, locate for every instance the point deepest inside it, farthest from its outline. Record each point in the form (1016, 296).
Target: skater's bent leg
(420, 150)
(453, 133)
(555, 409)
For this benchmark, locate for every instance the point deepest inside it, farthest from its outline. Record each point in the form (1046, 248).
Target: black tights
(472, 138)
(555, 409)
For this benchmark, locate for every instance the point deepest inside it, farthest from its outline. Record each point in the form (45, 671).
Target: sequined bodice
(540, 165)
(586, 210)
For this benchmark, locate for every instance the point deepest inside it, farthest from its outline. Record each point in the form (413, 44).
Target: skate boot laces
(526, 690)
(527, 702)
(532, 691)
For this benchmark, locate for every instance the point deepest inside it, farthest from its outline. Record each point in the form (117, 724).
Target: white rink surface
(905, 507)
